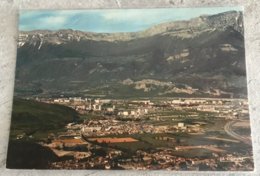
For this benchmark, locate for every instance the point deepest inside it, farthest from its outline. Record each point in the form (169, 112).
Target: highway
(229, 131)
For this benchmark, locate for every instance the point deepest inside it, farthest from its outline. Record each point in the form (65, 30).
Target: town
(172, 134)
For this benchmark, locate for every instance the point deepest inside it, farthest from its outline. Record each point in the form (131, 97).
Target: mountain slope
(202, 57)
(35, 118)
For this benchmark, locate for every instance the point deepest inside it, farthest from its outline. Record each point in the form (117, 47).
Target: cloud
(115, 15)
(55, 21)
(137, 16)
(31, 20)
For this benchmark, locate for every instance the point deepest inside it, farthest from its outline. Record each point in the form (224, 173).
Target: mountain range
(201, 57)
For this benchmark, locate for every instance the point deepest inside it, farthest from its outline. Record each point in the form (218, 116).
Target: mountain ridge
(201, 57)
(175, 26)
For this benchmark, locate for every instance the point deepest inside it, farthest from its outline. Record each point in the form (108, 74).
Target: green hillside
(39, 119)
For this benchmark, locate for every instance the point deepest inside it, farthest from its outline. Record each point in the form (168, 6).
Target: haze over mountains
(202, 57)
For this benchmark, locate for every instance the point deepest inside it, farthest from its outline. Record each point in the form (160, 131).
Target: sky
(111, 20)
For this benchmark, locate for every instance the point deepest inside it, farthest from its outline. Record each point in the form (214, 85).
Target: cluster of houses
(226, 108)
(133, 113)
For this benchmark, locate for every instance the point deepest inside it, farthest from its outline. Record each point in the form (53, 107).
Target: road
(229, 131)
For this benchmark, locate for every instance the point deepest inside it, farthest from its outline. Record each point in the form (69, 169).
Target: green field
(150, 142)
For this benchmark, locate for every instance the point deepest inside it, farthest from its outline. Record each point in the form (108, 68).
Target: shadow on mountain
(28, 155)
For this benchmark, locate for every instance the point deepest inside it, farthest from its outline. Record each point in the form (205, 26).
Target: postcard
(131, 89)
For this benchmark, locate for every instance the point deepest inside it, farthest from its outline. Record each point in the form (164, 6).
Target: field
(68, 141)
(113, 140)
